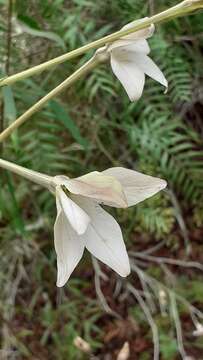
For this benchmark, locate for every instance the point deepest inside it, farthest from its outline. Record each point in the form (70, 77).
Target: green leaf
(30, 27)
(10, 112)
(62, 115)
(15, 211)
(31, 22)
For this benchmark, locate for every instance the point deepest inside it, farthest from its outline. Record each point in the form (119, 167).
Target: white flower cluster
(81, 222)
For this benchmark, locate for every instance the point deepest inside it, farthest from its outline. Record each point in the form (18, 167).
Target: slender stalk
(164, 260)
(34, 176)
(180, 221)
(9, 35)
(183, 8)
(101, 297)
(177, 323)
(8, 53)
(149, 317)
(98, 57)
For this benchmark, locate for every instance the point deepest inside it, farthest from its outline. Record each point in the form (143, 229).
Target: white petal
(131, 38)
(139, 45)
(130, 76)
(137, 186)
(69, 247)
(148, 66)
(77, 217)
(126, 52)
(100, 187)
(140, 34)
(103, 237)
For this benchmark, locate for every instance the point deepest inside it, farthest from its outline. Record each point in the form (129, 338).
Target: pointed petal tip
(163, 184)
(61, 282)
(130, 75)
(62, 278)
(134, 98)
(125, 272)
(124, 269)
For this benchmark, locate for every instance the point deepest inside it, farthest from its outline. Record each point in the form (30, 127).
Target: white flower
(82, 223)
(130, 61)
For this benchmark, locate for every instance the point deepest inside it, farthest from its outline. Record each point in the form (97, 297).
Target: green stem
(183, 8)
(7, 64)
(34, 176)
(98, 57)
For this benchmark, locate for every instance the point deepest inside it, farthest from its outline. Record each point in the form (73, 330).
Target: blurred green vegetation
(94, 126)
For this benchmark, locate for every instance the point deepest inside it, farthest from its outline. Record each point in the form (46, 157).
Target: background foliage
(93, 126)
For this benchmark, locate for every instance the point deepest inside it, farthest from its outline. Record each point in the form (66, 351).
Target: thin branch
(177, 323)
(180, 220)
(101, 297)
(154, 283)
(149, 317)
(105, 151)
(118, 288)
(174, 311)
(154, 248)
(163, 260)
(169, 276)
(148, 295)
(8, 52)
(9, 35)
